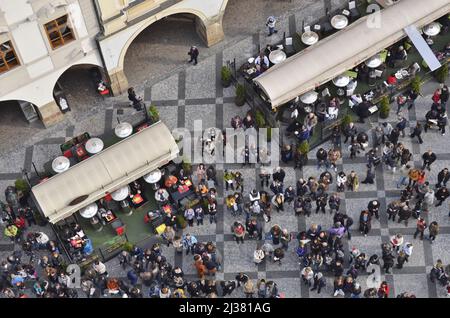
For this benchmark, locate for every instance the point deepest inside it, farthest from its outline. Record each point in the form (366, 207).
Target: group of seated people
(77, 241)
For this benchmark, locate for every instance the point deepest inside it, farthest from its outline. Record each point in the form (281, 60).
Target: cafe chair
(118, 226)
(327, 28)
(354, 12)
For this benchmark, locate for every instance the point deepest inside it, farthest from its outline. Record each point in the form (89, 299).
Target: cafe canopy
(116, 166)
(345, 49)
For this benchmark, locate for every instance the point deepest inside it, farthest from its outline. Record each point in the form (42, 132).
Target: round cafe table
(339, 21)
(432, 29)
(341, 80)
(374, 61)
(121, 195)
(123, 130)
(94, 145)
(277, 56)
(60, 164)
(90, 212)
(153, 178)
(310, 37)
(309, 97)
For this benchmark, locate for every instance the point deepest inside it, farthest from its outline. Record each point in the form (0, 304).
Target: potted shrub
(127, 246)
(259, 119)
(187, 167)
(441, 73)
(240, 95)
(22, 186)
(153, 114)
(226, 76)
(345, 121)
(385, 107)
(181, 221)
(303, 148)
(416, 85)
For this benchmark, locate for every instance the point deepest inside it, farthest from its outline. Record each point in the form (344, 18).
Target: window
(8, 57)
(59, 32)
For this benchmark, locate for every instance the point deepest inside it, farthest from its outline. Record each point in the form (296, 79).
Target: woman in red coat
(436, 96)
(383, 291)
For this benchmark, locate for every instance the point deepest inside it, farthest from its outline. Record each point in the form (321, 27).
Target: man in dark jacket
(374, 207)
(417, 132)
(193, 53)
(319, 282)
(442, 122)
(279, 175)
(388, 262)
(401, 125)
(428, 158)
(404, 214)
(443, 178)
(350, 132)
(334, 202)
(211, 174)
(322, 157)
(441, 195)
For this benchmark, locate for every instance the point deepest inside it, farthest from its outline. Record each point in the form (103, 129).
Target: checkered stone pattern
(195, 93)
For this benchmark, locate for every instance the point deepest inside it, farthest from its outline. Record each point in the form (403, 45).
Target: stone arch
(152, 20)
(208, 27)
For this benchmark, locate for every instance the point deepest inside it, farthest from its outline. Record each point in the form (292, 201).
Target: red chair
(118, 226)
(120, 230)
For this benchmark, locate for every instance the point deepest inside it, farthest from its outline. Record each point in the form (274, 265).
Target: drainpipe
(99, 20)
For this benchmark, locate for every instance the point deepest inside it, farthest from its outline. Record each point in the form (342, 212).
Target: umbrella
(339, 21)
(153, 177)
(374, 61)
(310, 37)
(432, 29)
(94, 145)
(277, 56)
(123, 130)
(341, 80)
(89, 211)
(121, 193)
(309, 97)
(60, 164)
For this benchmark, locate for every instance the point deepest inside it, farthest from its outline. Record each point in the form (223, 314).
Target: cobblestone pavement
(196, 93)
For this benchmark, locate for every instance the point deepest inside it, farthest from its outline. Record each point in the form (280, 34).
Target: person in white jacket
(407, 249)
(307, 276)
(341, 180)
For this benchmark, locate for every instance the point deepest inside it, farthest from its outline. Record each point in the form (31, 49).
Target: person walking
(270, 23)
(401, 125)
(319, 282)
(189, 242)
(444, 95)
(443, 177)
(193, 53)
(374, 207)
(238, 231)
(428, 158)
(352, 181)
(249, 289)
(404, 171)
(365, 222)
(420, 228)
(350, 132)
(401, 101)
(417, 132)
(433, 230)
(441, 195)
(442, 122)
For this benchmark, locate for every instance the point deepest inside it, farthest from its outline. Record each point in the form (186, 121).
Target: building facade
(41, 39)
(123, 20)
